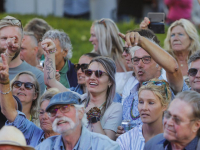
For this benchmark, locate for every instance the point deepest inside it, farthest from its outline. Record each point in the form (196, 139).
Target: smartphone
(157, 24)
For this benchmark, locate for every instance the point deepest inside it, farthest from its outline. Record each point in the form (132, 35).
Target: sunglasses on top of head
(27, 85)
(192, 72)
(98, 73)
(82, 66)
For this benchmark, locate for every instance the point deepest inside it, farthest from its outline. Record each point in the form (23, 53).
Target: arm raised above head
(160, 56)
(7, 101)
(49, 66)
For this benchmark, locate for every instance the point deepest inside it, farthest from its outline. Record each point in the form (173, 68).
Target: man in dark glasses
(11, 35)
(194, 71)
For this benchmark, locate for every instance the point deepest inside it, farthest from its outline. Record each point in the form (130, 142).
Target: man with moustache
(147, 61)
(11, 35)
(69, 119)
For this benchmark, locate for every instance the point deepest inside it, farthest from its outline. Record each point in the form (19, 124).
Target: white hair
(84, 119)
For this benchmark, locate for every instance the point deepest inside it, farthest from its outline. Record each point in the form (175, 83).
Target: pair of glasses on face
(14, 21)
(192, 72)
(126, 50)
(82, 66)
(176, 120)
(63, 109)
(102, 21)
(27, 85)
(98, 73)
(158, 83)
(145, 60)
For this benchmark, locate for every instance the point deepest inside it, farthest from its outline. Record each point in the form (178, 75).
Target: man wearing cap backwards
(68, 119)
(12, 139)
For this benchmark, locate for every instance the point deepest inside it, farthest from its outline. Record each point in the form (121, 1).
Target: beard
(63, 130)
(16, 54)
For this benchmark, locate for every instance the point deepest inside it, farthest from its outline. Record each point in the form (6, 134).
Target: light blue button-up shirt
(87, 141)
(33, 134)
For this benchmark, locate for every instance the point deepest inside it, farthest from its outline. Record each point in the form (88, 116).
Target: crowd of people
(49, 103)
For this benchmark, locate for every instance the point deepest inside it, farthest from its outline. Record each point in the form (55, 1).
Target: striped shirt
(132, 140)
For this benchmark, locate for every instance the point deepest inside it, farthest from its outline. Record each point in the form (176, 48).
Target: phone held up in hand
(157, 22)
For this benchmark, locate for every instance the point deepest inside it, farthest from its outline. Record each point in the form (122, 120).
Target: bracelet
(6, 82)
(52, 51)
(93, 113)
(4, 93)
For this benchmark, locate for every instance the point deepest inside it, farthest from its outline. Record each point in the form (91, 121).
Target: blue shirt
(87, 141)
(33, 134)
(191, 146)
(132, 101)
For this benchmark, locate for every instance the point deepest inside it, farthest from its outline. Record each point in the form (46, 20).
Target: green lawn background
(78, 31)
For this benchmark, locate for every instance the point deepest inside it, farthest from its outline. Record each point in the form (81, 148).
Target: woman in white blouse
(154, 98)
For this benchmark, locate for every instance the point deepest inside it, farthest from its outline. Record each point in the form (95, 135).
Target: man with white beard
(69, 119)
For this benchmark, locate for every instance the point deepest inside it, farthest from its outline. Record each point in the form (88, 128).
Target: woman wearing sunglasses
(106, 42)
(26, 87)
(103, 114)
(154, 98)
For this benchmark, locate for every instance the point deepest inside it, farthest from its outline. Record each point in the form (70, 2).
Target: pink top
(178, 9)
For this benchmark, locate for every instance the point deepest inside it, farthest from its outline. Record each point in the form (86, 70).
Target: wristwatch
(94, 119)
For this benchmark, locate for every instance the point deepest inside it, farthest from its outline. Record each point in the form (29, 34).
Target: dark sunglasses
(126, 50)
(82, 66)
(14, 21)
(102, 21)
(98, 73)
(27, 85)
(192, 72)
(158, 83)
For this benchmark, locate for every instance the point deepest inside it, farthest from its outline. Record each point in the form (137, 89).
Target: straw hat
(10, 135)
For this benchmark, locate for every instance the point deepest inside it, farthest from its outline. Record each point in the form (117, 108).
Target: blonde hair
(34, 106)
(159, 91)
(190, 30)
(109, 42)
(5, 22)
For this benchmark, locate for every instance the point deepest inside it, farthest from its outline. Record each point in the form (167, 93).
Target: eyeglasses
(27, 85)
(102, 21)
(82, 66)
(192, 72)
(14, 21)
(64, 109)
(158, 83)
(145, 60)
(177, 121)
(98, 73)
(126, 50)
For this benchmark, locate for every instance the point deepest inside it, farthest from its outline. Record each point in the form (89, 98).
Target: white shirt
(132, 140)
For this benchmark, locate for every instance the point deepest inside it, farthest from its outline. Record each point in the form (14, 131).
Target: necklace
(131, 112)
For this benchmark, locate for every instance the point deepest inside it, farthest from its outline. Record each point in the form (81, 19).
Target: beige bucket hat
(10, 135)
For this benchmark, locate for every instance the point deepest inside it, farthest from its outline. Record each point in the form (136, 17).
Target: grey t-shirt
(26, 67)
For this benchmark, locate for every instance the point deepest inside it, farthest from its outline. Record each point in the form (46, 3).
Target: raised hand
(48, 46)
(131, 39)
(4, 70)
(144, 24)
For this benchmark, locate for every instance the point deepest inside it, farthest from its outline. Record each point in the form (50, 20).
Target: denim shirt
(88, 141)
(132, 101)
(79, 90)
(33, 134)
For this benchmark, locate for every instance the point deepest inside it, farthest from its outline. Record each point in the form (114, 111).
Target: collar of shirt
(191, 146)
(64, 69)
